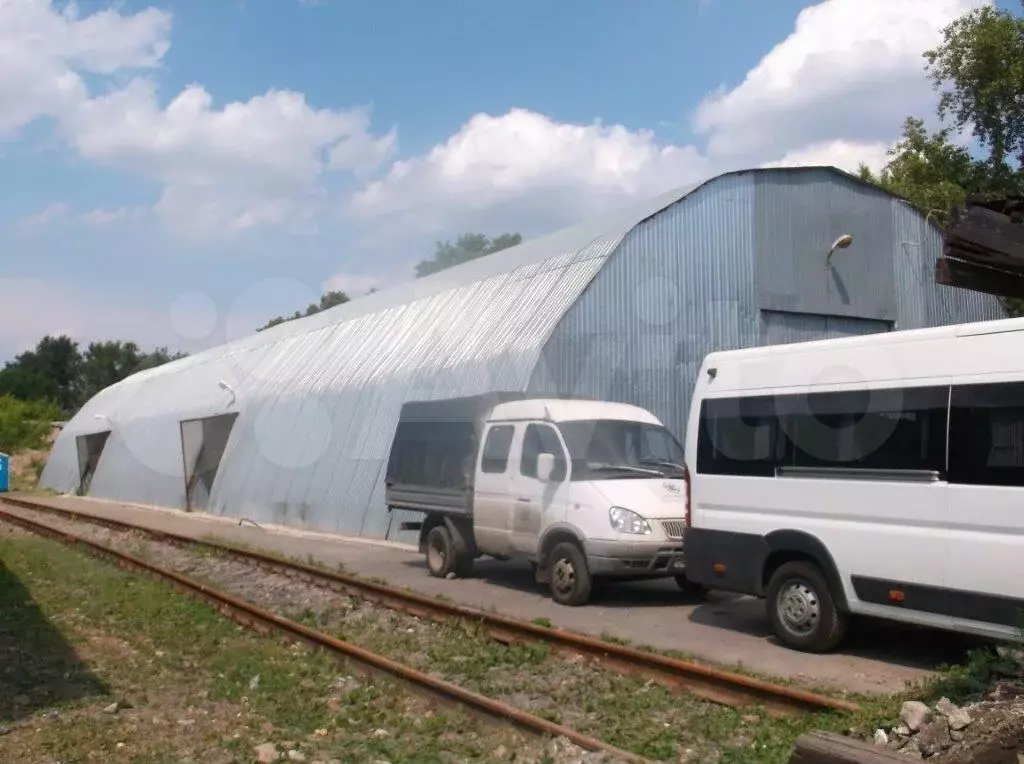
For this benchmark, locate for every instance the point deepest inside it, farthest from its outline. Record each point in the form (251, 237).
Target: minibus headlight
(628, 521)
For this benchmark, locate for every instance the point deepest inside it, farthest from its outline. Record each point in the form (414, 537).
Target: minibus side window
(986, 438)
(738, 436)
(887, 429)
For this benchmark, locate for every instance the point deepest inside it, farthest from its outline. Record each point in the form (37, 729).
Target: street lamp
(841, 243)
(226, 387)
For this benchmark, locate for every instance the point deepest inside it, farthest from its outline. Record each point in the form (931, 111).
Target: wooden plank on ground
(829, 748)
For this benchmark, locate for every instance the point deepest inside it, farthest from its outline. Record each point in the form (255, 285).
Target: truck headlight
(628, 521)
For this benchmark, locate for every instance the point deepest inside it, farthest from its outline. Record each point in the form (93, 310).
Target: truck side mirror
(545, 467)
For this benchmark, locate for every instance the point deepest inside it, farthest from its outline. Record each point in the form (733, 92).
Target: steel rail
(262, 620)
(716, 685)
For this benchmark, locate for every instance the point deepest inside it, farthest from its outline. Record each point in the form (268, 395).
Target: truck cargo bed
(434, 451)
(425, 498)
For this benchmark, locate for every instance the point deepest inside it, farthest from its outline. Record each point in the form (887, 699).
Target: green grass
(85, 633)
(612, 639)
(627, 712)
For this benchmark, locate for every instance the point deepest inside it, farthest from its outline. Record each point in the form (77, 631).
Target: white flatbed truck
(582, 489)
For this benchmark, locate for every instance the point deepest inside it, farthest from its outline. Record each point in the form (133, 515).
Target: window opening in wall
(90, 448)
(203, 442)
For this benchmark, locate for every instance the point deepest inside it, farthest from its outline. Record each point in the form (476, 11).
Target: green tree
(24, 425)
(158, 357)
(58, 372)
(979, 69)
(327, 300)
(469, 246)
(929, 171)
(106, 363)
(49, 372)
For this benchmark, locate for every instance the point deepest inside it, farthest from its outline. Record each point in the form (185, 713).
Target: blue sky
(178, 172)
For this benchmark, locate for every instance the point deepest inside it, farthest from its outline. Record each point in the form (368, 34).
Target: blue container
(5, 473)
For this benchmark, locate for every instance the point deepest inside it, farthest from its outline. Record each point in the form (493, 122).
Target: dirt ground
(26, 466)
(987, 727)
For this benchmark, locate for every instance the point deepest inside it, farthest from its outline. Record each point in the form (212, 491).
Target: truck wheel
(568, 577)
(689, 588)
(440, 552)
(802, 609)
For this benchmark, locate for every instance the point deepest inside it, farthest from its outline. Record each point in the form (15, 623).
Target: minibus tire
(440, 552)
(567, 559)
(464, 567)
(810, 599)
(688, 587)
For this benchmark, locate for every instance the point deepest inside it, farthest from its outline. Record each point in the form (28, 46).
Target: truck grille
(674, 528)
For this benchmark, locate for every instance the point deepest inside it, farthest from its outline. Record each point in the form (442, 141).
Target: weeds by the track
(627, 712)
(80, 634)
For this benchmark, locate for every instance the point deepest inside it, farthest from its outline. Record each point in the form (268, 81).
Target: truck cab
(582, 489)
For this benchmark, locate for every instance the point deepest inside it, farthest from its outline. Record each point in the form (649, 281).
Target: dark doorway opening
(90, 448)
(203, 442)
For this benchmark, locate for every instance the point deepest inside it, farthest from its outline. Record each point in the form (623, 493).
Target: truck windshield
(609, 449)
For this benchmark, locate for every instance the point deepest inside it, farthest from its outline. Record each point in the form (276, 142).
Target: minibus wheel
(802, 609)
(688, 587)
(568, 576)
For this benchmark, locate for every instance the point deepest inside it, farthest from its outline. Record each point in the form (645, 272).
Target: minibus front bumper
(635, 558)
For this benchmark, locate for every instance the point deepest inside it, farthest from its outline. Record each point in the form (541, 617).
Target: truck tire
(440, 552)
(689, 588)
(568, 577)
(802, 609)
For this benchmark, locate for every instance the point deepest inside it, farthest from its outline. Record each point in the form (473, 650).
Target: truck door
(538, 503)
(492, 490)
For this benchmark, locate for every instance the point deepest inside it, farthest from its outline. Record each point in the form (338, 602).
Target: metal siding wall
(837, 327)
(779, 328)
(318, 398)
(317, 408)
(798, 216)
(916, 247)
(680, 285)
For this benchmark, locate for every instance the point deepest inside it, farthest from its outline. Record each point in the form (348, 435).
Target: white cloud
(230, 168)
(834, 92)
(221, 168)
(49, 214)
(102, 217)
(845, 155)
(567, 171)
(45, 51)
(850, 71)
(350, 283)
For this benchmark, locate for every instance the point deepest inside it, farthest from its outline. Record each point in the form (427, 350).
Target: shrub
(25, 425)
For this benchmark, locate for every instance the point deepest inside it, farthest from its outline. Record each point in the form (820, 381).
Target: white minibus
(880, 475)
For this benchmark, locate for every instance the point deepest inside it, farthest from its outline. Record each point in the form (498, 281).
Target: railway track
(708, 683)
(265, 621)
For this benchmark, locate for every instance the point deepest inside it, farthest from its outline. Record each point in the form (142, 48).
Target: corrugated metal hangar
(293, 425)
